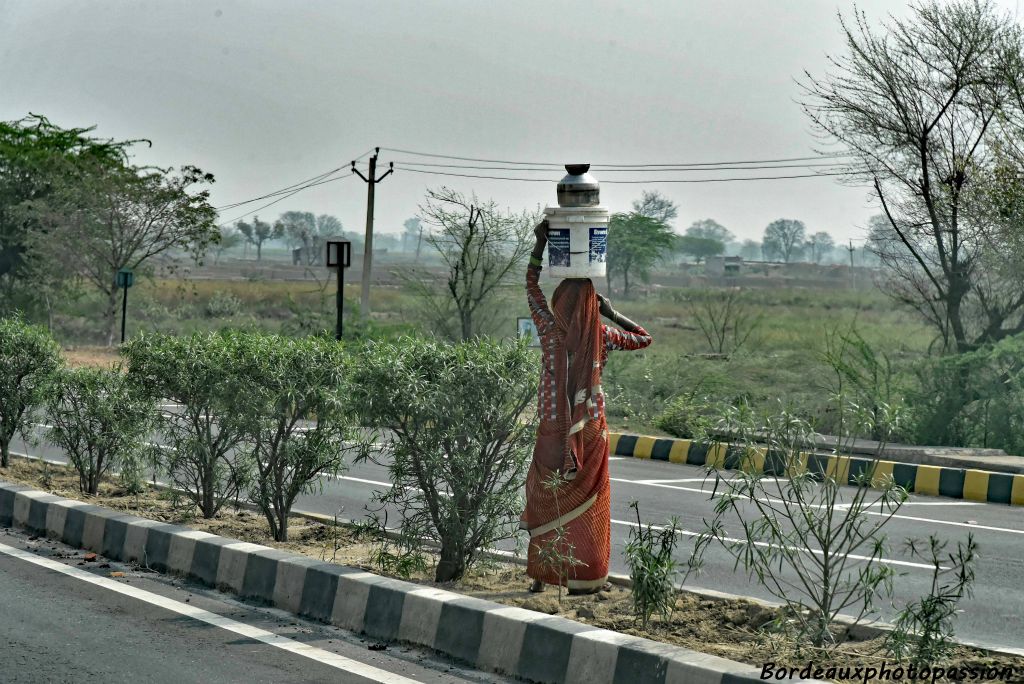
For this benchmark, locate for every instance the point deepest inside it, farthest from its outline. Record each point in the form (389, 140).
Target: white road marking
(970, 526)
(656, 482)
(334, 660)
(651, 483)
(817, 552)
(359, 479)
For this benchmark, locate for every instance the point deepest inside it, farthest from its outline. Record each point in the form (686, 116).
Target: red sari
(572, 439)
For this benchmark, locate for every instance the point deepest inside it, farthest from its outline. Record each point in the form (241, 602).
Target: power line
(630, 166)
(306, 183)
(655, 180)
(281, 199)
(290, 187)
(620, 170)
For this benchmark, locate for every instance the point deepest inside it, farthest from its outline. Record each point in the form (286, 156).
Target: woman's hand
(541, 232)
(606, 307)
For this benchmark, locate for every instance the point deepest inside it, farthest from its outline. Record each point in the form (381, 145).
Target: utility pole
(853, 274)
(371, 181)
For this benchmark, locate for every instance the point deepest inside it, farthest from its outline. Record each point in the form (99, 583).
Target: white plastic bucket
(577, 241)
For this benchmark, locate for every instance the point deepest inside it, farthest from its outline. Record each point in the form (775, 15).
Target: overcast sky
(266, 94)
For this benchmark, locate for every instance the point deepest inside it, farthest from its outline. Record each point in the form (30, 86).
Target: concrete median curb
(956, 483)
(490, 636)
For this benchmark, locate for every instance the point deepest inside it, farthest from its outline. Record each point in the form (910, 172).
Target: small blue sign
(558, 247)
(527, 329)
(598, 245)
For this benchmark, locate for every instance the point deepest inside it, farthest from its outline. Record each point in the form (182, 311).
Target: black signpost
(125, 279)
(339, 256)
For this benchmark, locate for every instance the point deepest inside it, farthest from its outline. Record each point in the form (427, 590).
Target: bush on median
(29, 361)
(100, 419)
(456, 444)
(199, 436)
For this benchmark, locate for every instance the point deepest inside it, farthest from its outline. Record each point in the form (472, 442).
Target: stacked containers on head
(577, 227)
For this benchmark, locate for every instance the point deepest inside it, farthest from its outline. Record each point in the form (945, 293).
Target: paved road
(995, 613)
(65, 621)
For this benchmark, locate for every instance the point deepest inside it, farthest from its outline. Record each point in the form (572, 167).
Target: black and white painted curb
(487, 635)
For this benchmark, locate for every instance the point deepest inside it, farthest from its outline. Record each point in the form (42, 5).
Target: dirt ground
(734, 629)
(98, 357)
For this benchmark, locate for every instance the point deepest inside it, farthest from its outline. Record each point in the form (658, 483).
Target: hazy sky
(266, 94)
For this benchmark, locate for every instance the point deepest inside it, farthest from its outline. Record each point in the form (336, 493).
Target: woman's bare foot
(607, 586)
(537, 587)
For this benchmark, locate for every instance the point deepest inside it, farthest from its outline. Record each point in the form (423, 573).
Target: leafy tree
(29, 360)
(298, 228)
(290, 404)
(819, 245)
(123, 218)
(784, 239)
(328, 226)
(413, 234)
(481, 248)
(197, 373)
(926, 107)
(258, 232)
(35, 157)
(635, 244)
(750, 250)
(229, 239)
(699, 248)
(303, 229)
(653, 204)
(100, 419)
(710, 229)
(458, 441)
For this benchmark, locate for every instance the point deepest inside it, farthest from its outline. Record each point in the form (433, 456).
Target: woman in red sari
(572, 440)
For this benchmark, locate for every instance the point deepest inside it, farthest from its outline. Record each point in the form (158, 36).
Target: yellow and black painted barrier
(956, 483)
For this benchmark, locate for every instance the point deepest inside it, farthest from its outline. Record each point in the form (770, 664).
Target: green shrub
(686, 417)
(806, 519)
(923, 630)
(972, 400)
(222, 305)
(457, 445)
(100, 419)
(652, 568)
(197, 373)
(29, 361)
(290, 402)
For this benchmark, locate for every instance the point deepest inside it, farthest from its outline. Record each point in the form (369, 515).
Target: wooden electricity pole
(371, 181)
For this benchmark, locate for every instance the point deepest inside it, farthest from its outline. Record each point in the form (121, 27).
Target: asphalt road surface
(67, 620)
(994, 614)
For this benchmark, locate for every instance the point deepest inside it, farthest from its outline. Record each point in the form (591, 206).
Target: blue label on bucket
(598, 245)
(558, 247)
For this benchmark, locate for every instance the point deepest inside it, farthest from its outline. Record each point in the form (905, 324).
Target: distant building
(315, 254)
(724, 266)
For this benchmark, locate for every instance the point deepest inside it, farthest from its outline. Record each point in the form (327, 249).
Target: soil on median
(734, 629)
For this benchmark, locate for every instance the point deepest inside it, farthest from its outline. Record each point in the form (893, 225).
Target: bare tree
(784, 239)
(481, 248)
(819, 245)
(654, 205)
(726, 321)
(922, 108)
